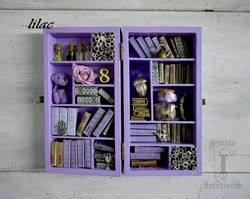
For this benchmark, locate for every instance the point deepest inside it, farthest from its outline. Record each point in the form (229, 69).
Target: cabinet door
(92, 71)
(162, 100)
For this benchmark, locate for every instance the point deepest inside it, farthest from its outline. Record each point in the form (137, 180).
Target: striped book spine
(136, 47)
(73, 154)
(145, 156)
(143, 126)
(156, 42)
(155, 74)
(151, 46)
(144, 46)
(87, 155)
(167, 67)
(79, 154)
(143, 138)
(161, 73)
(179, 45)
(93, 122)
(105, 120)
(149, 149)
(175, 50)
(142, 132)
(66, 153)
(55, 116)
(72, 117)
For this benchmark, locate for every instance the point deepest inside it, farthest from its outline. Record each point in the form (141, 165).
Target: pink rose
(84, 74)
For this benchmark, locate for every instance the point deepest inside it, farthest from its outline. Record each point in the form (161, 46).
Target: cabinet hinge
(203, 101)
(40, 100)
(121, 51)
(122, 151)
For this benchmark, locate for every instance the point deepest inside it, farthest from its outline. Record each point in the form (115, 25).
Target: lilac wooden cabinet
(144, 153)
(64, 36)
(174, 157)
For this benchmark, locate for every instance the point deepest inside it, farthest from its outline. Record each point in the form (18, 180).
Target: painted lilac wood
(81, 34)
(133, 62)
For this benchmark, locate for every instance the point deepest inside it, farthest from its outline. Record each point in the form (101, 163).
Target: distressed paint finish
(225, 85)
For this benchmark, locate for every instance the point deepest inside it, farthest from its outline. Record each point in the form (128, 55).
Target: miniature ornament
(60, 82)
(71, 56)
(61, 128)
(161, 52)
(84, 74)
(88, 52)
(79, 52)
(108, 159)
(166, 109)
(140, 85)
(58, 52)
(103, 75)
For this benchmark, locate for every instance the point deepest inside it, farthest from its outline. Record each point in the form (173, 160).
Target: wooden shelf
(95, 85)
(161, 144)
(173, 85)
(82, 105)
(84, 138)
(163, 60)
(167, 121)
(69, 63)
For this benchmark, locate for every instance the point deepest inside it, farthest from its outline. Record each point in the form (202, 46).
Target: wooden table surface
(225, 86)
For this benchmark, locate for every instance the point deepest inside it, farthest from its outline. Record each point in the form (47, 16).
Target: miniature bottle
(79, 52)
(71, 56)
(88, 52)
(58, 52)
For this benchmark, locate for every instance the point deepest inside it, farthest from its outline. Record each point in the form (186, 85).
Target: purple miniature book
(143, 126)
(87, 155)
(80, 153)
(151, 46)
(150, 149)
(144, 47)
(145, 156)
(66, 153)
(103, 147)
(143, 138)
(136, 47)
(103, 123)
(93, 122)
(73, 154)
(142, 132)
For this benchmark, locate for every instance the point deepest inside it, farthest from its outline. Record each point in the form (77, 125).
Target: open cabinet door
(82, 110)
(162, 100)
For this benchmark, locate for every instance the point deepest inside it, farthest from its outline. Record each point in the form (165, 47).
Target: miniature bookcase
(162, 101)
(82, 97)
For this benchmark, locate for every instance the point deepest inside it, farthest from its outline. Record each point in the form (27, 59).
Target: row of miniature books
(77, 154)
(176, 46)
(174, 133)
(91, 124)
(146, 156)
(171, 73)
(91, 95)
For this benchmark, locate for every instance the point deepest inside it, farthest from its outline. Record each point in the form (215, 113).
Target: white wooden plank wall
(225, 78)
